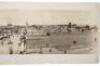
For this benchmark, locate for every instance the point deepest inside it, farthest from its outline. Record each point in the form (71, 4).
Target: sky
(18, 13)
(45, 17)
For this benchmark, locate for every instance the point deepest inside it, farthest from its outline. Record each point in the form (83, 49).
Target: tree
(87, 26)
(70, 24)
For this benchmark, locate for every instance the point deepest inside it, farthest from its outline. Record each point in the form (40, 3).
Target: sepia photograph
(46, 32)
(42, 33)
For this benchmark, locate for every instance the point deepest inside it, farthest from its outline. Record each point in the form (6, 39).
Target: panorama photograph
(47, 32)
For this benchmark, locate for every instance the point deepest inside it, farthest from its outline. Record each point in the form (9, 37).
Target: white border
(47, 58)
